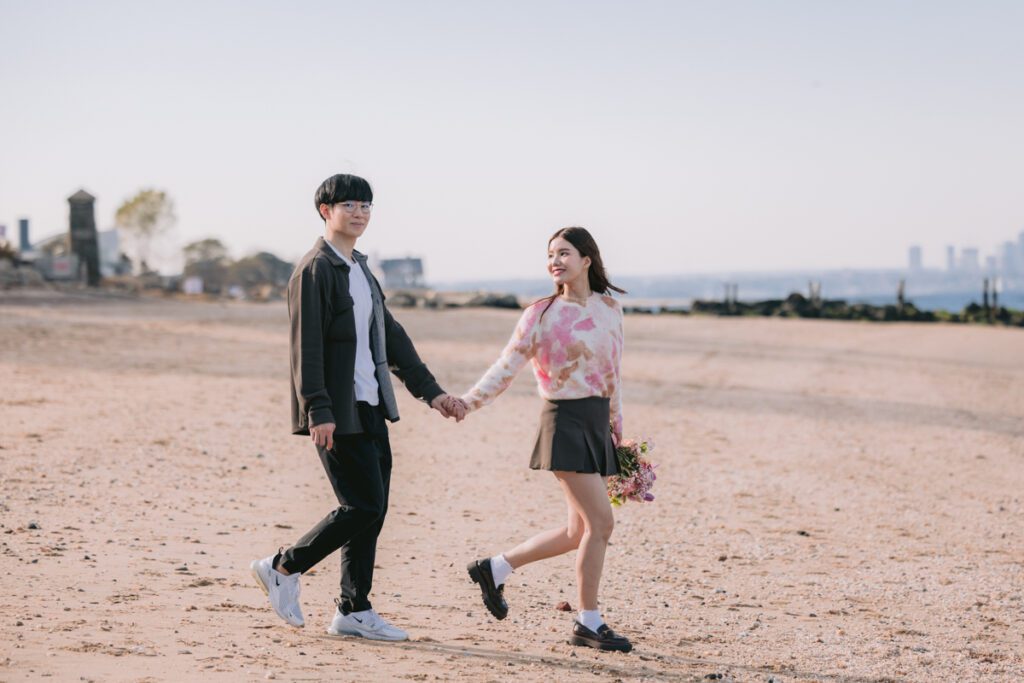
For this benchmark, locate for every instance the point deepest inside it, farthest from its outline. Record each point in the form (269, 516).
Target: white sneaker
(367, 624)
(283, 590)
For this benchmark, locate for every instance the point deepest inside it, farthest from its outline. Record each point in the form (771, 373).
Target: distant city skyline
(688, 137)
(1006, 260)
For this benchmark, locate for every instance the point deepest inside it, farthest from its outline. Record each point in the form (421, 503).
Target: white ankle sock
(591, 618)
(501, 569)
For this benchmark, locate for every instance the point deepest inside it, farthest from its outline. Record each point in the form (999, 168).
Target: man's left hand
(449, 406)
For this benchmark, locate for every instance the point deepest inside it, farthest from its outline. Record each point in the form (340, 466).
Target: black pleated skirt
(574, 436)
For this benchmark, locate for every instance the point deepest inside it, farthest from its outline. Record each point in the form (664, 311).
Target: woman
(574, 340)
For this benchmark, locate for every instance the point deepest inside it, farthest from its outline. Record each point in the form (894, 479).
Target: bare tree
(147, 215)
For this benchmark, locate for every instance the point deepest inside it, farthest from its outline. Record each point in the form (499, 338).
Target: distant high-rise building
(914, 258)
(991, 265)
(950, 258)
(969, 259)
(1009, 263)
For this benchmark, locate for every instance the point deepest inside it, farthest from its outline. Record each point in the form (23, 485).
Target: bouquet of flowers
(636, 476)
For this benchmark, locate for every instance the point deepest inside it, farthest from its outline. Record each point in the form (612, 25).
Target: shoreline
(794, 306)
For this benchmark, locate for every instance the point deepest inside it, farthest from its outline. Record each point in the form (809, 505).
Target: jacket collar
(332, 256)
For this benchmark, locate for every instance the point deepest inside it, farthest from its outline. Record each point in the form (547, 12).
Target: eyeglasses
(350, 207)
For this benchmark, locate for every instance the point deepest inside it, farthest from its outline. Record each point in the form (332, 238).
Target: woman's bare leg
(548, 543)
(587, 495)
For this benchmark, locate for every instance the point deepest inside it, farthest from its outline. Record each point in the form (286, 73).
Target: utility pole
(731, 290)
(814, 293)
(984, 299)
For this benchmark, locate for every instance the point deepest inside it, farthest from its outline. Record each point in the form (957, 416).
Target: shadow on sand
(638, 664)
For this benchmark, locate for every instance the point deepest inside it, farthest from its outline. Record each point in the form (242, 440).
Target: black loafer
(604, 639)
(494, 598)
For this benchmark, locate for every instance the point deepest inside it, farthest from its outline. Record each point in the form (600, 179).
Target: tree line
(208, 259)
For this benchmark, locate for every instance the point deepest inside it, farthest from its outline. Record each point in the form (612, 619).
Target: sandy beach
(835, 502)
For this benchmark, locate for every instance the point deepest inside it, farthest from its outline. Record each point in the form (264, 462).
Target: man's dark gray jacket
(323, 346)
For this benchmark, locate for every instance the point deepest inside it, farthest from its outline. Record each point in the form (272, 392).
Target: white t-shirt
(359, 290)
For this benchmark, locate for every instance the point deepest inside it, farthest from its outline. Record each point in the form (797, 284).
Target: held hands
(450, 406)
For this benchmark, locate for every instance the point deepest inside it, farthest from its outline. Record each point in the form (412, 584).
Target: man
(343, 342)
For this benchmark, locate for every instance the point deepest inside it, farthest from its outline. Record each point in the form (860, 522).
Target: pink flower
(637, 484)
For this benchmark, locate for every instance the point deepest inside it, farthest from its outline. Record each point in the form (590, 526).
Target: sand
(836, 502)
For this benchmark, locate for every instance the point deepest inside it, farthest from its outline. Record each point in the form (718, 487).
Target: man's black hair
(342, 188)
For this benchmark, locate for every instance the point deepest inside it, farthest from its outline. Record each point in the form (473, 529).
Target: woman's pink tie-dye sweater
(575, 351)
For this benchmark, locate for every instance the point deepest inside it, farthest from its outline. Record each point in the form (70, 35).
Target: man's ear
(325, 211)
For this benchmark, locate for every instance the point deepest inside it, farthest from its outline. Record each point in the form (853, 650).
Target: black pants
(359, 469)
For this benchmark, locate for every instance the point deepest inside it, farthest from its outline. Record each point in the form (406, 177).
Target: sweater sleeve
(520, 349)
(616, 397)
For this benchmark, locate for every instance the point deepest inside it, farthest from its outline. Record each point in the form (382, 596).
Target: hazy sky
(687, 136)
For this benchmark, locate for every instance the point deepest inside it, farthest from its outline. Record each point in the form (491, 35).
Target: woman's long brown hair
(587, 246)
